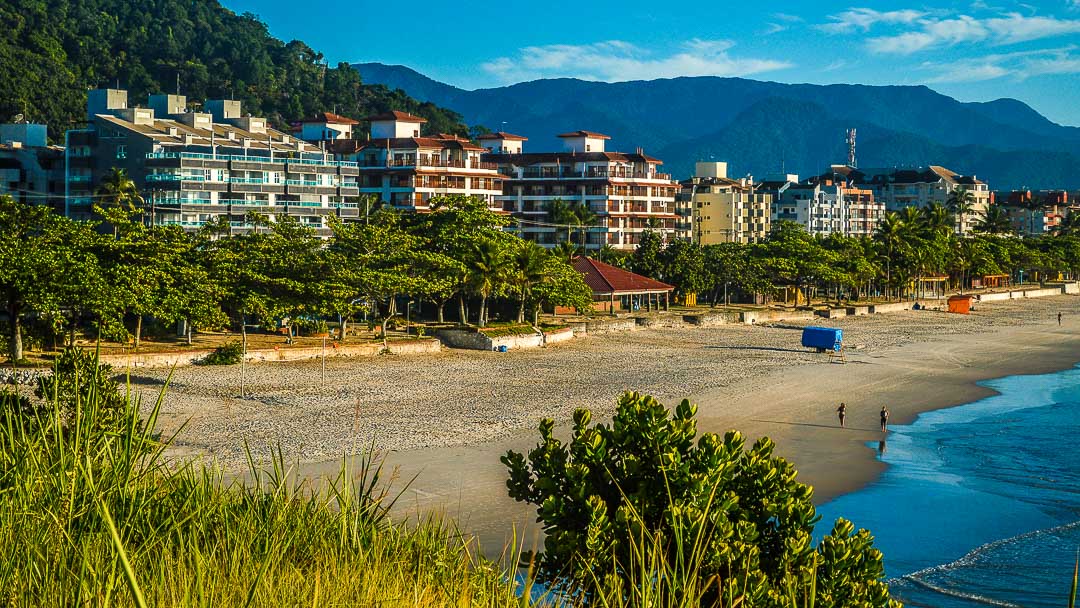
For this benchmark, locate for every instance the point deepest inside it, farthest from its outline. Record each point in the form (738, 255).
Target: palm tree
(995, 220)
(529, 270)
(118, 190)
(890, 233)
(1069, 226)
(961, 202)
(487, 273)
(935, 219)
(583, 217)
(562, 213)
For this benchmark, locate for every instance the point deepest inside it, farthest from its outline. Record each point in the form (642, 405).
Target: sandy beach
(446, 419)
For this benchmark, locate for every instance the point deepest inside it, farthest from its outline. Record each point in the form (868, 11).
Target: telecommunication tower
(851, 149)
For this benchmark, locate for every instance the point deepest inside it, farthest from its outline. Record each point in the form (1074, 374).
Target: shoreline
(743, 377)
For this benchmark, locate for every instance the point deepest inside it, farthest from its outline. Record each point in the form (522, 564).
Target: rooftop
(395, 115)
(592, 134)
(502, 135)
(330, 117)
(605, 279)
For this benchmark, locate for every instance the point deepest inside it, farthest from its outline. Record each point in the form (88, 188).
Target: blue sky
(974, 51)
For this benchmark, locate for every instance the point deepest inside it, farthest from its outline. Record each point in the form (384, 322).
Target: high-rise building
(723, 210)
(624, 194)
(826, 204)
(192, 168)
(403, 168)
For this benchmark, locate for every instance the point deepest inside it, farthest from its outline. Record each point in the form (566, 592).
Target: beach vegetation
(643, 507)
(229, 353)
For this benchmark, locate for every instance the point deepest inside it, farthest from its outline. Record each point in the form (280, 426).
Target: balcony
(79, 179)
(186, 159)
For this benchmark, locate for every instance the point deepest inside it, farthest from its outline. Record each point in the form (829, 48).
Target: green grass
(93, 516)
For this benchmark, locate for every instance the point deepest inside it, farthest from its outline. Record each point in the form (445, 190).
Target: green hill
(54, 50)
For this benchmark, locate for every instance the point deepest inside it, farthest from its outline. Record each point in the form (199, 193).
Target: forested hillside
(52, 51)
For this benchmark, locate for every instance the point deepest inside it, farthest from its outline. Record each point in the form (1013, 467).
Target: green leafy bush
(229, 353)
(637, 504)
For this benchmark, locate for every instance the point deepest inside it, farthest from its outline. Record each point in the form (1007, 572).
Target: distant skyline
(973, 51)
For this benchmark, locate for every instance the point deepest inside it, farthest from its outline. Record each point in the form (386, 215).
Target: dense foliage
(907, 247)
(54, 50)
(735, 517)
(110, 276)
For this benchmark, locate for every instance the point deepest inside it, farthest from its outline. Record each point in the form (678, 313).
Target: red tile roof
(592, 134)
(605, 279)
(502, 135)
(395, 115)
(330, 117)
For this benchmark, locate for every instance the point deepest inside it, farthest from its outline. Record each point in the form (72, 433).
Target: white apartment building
(194, 168)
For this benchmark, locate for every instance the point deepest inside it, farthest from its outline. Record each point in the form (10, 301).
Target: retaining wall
(558, 335)
(181, 359)
(858, 311)
(771, 316)
(1043, 293)
(832, 313)
(712, 319)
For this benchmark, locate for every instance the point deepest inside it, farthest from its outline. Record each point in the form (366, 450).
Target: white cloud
(1018, 66)
(615, 60)
(915, 31)
(866, 18)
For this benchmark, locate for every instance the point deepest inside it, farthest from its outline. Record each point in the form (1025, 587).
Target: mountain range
(764, 128)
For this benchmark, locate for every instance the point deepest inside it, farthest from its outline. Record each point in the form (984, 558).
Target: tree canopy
(54, 50)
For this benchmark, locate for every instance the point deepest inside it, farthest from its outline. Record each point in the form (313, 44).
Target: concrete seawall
(273, 354)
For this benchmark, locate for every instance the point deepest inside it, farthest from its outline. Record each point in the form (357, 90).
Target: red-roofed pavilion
(615, 289)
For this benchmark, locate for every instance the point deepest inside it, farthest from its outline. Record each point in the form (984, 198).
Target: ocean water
(980, 505)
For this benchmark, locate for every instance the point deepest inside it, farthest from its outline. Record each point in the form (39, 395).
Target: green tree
(737, 515)
(647, 260)
(45, 265)
(530, 268)
(995, 220)
(488, 273)
(961, 202)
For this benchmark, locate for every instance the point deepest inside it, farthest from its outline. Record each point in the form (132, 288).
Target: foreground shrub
(229, 353)
(638, 514)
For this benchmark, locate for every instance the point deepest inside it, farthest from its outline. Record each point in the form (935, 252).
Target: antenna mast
(851, 161)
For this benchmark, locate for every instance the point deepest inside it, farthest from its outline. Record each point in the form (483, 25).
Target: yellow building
(724, 210)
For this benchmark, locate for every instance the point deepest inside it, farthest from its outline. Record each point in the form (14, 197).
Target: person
(842, 413)
(884, 419)
(1059, 319)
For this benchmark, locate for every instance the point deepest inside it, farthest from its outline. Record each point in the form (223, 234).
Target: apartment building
(626, 192)
(722, 210)
(825, 205)
(31, 170)
(403, 168)
(918, 187)
(1035, 213)
(197, 167)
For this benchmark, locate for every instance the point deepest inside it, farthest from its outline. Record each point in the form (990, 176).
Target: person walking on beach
(1059, 319)
(884, 419)
(842, 413)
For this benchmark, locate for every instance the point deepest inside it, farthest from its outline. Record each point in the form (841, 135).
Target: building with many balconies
(626, 192)
(898, 188)
(824, 205)
(405, 169)
(194, 168)
(723, 210)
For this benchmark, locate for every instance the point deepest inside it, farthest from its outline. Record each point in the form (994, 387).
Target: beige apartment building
(626, 193)
(723, 210)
